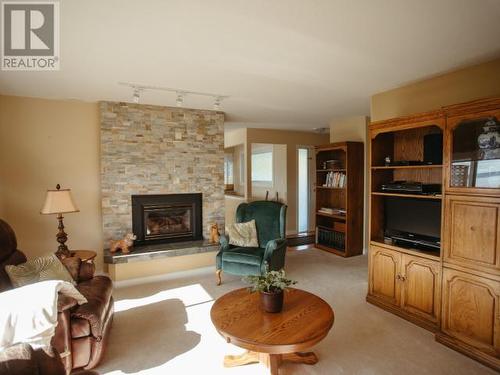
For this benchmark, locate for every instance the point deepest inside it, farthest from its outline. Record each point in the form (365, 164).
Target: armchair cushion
(247, 255)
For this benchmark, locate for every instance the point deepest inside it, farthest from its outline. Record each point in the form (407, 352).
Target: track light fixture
(136, 95)
(321, 130)
(217, 103)
(179, 101)
(180, 94)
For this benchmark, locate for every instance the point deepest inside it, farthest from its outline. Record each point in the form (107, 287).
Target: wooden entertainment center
(453, 291)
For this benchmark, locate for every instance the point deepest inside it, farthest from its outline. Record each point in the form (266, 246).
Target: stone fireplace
(151, 153)
(164, 218)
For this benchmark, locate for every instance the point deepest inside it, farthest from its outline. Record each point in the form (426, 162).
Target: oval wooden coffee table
(272, 338)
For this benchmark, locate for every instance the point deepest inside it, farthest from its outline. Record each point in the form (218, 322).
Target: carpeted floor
(164, 327)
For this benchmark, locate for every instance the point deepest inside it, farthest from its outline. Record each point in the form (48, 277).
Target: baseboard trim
(433, 327)
(468, 350)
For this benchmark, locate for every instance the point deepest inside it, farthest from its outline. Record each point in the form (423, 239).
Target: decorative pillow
(69, 290)
(72, 264)
(38, 269)
(243, 234)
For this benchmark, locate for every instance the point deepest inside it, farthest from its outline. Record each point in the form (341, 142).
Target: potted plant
(270, 285)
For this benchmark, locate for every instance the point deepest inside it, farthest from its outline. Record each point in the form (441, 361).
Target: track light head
(321, 130)
(217, 103)
(180, 99)
(136, 95)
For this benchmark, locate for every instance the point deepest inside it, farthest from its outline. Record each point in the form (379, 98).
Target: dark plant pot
(271, 302)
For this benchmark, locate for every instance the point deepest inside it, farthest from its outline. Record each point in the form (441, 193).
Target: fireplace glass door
(164, 218)
(168, 221)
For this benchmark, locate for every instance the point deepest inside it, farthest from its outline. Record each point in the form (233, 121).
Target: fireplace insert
(166, 218)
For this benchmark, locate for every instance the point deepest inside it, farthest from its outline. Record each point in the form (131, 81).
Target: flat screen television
(413, 218)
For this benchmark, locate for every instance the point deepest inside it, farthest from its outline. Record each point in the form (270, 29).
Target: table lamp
(58, 202)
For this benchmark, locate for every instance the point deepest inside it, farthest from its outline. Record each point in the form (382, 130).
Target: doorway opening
(304, 187)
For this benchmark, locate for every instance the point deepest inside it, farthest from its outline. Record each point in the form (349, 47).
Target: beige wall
(234, 137)
(354, 128)
(42, 143)
(348, 129)
(239, 185)
(475, 82)
(279, 176)
(2, 208)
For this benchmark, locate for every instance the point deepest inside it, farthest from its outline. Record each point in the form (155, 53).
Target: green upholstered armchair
(270, 220)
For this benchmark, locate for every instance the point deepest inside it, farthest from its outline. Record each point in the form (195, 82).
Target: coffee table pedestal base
(272, 361)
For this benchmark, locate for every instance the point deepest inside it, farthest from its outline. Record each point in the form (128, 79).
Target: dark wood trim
(408, 122)
(480, 105)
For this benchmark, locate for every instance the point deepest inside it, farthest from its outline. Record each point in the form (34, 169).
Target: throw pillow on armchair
(243, 234)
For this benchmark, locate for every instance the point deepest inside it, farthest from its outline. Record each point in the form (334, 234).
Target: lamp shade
(58, 202)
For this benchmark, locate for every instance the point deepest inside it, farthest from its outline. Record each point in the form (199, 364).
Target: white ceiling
(285, 63)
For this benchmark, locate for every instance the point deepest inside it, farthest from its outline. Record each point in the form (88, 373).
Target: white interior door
(305, 204)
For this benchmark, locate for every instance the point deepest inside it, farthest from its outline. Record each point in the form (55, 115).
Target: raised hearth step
(149, 252)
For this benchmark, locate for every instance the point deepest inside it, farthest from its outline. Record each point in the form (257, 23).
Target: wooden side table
(86, 256)
(272, 338)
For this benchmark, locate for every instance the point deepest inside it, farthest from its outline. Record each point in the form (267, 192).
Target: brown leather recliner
(82, 331)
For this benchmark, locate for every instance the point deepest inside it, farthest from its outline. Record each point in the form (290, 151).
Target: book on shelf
(331, 238)
(332, 211)
(335, 180)
(331, 164)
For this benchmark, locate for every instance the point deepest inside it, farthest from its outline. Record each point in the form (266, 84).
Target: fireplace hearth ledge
(157, 251)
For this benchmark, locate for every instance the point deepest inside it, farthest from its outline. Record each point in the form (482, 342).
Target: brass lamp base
(62, 250)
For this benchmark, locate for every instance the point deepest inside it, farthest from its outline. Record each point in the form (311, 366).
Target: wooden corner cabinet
(339, 198)
(452, 288)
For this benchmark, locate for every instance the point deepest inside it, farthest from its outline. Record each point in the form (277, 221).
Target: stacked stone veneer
(149, 149)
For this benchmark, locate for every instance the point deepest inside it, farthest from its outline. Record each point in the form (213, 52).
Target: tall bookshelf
(339, 198)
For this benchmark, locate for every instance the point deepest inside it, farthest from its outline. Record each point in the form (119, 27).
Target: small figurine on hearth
(124, 244)
(214, 233)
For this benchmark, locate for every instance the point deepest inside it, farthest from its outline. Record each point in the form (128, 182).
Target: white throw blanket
(28, 314)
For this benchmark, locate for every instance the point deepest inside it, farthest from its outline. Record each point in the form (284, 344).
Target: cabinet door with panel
(473, 144)
(472, 232)
(385, 266)
(471, 310)
(421, 287)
